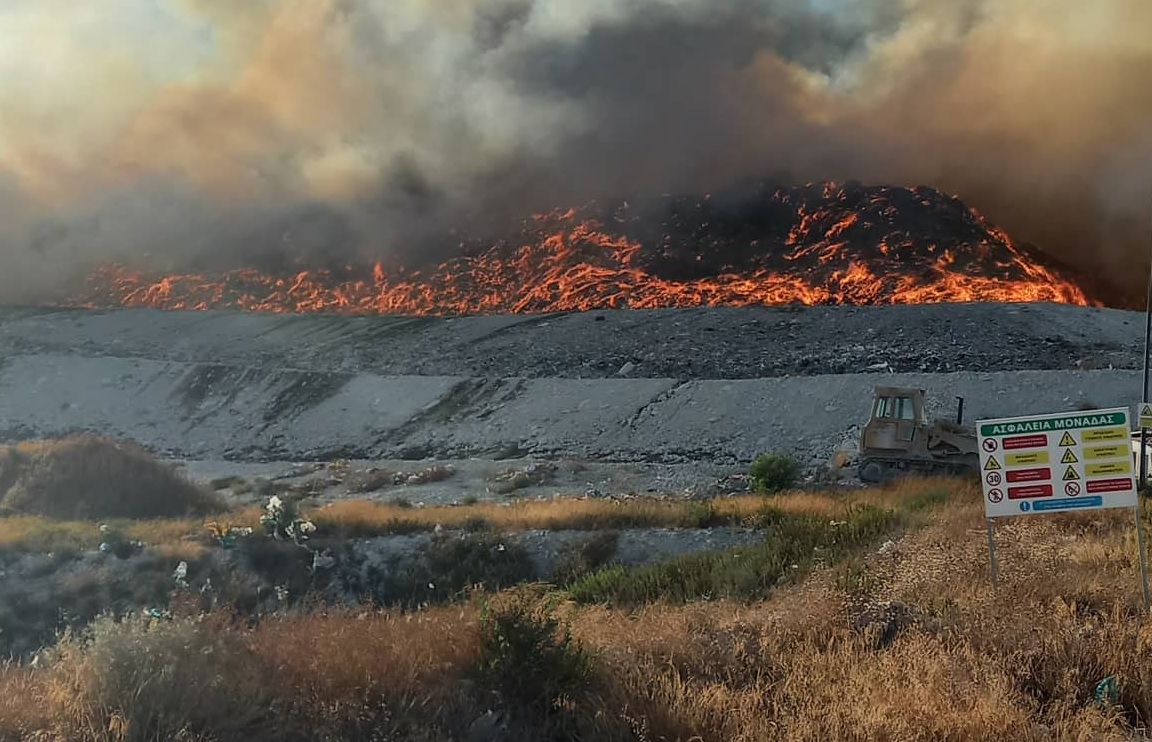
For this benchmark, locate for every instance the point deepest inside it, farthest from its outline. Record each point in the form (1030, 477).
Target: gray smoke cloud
(190, 131)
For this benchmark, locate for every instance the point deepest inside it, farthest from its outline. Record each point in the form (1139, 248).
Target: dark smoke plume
(202, 132)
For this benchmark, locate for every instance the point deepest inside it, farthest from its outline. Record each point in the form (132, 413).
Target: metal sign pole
(1144, 396)
(1143, 559)
(992, 557)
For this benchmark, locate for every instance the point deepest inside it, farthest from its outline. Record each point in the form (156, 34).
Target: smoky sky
(187, 133)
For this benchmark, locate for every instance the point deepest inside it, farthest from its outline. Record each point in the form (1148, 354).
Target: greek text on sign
(1057, 462)
(1020, 459)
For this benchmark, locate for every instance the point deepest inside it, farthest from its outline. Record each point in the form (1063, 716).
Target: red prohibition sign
(993, 478)
(1072, 489)
(989, 444)
(995, 495)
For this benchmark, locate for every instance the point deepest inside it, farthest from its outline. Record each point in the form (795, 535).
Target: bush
(147, 679)
(87, 478)
(534, 666)
(774, 472)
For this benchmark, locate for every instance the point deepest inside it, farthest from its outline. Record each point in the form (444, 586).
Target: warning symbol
(1067, 439)
(992, 464)
(1070, 474)
(1069, 457)
(995, 495)
(1146, 410)
(993, 478)
(989, 444)
(1072, 489)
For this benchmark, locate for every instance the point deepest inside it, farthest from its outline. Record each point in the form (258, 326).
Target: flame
(820, 244)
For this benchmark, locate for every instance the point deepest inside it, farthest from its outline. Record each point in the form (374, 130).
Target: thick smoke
(258, 132)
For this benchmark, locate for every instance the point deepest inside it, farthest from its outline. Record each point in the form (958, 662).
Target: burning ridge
(816, 244)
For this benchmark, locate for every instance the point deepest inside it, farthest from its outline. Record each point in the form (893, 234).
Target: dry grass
(366, 518)
(21, 712)
(40, 535)
(357, 518)
(89, 477)
(960, 661)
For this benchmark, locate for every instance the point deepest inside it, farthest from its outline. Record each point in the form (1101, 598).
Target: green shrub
(538, 671)
(774, 472)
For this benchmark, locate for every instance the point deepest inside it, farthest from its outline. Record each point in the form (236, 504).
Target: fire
(819, 244)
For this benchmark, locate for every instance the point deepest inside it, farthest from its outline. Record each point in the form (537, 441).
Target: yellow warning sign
(1106, 452)
(992, 464)
(1067, 439)
(1025, 459)
(1070, 473)
(1105, 434)
(1112, 467)
(1145, 415)
(1069, 457)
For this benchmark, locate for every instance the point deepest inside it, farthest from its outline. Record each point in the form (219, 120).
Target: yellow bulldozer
(899, 441)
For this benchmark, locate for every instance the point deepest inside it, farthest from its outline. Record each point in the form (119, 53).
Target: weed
(854, 578)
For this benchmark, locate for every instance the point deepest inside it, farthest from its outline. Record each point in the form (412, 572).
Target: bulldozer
(899, 441)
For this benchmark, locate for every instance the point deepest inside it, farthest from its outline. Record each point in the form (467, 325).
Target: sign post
(1056, 463)
(1145, 422)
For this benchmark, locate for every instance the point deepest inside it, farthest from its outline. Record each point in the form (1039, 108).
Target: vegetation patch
(792, 543)
(586, 557)
(88, 477)
(909, 641)
(538, 672)
(774, 472)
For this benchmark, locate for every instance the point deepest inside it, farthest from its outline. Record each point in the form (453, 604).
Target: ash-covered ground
(682, 344)
(664, 387)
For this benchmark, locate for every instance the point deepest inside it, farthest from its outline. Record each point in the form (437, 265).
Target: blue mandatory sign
(1073, 504)
(1025, 506)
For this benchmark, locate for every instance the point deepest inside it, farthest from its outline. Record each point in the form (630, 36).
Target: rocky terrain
(683, 344)
(647, 387)
(669, 404)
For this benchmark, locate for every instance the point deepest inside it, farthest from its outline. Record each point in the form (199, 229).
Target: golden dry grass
(40, 534)
(365, 518)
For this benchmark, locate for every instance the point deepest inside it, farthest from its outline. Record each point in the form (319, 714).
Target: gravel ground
(711, 343)
(461, 480)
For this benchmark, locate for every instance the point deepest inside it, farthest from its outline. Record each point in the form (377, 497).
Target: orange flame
(834, 253)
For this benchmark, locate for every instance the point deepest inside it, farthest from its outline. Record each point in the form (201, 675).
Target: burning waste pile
(816, 244)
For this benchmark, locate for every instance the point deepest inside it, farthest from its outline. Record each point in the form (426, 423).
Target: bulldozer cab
(897, 416)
